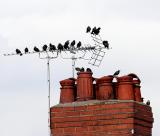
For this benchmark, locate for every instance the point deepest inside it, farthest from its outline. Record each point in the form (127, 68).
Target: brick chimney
(105, 108)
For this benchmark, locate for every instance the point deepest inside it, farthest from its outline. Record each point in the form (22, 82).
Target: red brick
(69, 129)
(102, 120)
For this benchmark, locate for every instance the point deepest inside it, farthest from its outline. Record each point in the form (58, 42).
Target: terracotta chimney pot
(137, 91)
(67, 91)
(125, 88)
(105, 88)
(84, 86)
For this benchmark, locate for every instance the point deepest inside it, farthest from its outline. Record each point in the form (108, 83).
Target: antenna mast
(52, 52)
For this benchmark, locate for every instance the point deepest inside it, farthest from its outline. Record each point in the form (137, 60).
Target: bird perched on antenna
(106, 44)
(79, 44)
(89, 70)
(93, 30)
(116, 73)
(52, 47)
(73, 43)
(88, 29)
(60, 47)
(96, 31)
(148, 102)
(18, 52)
(36, 49)
(66, 45)
(26, 50)
(45, 47)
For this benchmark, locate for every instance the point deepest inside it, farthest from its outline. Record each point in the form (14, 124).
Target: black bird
(93, 30)
(116, 73)
(106, 44)
(82, 69)
(79, 44)
(45, 47)
(18, 52)
(97, 31)
(60, 47)
(66, 45)
(88, 29)
(134, 76)
(148, 102)
(26, 50)
(36, 49)
(77, 69)
(52, 47)
(73, 43)
(88, 70)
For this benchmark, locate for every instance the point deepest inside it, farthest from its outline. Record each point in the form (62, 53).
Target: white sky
(132, 28)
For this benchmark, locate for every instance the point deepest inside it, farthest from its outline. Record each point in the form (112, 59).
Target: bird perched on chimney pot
(148, 102)
(82, 69)
(77, 69)
(116, 73)
(89, 70)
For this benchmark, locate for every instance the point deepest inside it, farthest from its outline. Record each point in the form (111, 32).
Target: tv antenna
(75, 51)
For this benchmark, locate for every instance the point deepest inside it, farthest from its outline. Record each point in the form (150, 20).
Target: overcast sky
(132, 28)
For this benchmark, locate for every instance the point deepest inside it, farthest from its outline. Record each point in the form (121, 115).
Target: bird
(97, 31)
(60, 47)
(18, 52)
(45, 47)
(88, 70)
(106, 44)
(26, 50)
(73, 43)
(36, 49)
(93, 30)
(79, 44)
(148, 102)
(88, 29)
(52, 47)
(142, 99)
(134, 76)
(116, 73)
(82, 69)
(77, 69)
(66, 45)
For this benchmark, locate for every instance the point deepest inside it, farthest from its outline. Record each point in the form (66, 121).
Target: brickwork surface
(101, 118)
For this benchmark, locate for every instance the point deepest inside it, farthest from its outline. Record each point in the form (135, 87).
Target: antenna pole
(73, 65)
(49, 91)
